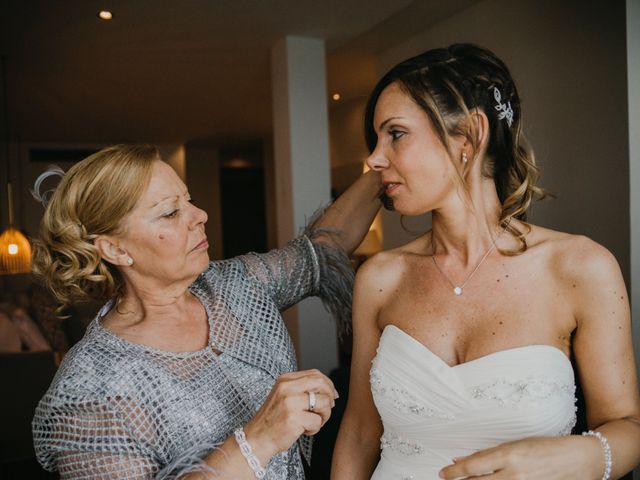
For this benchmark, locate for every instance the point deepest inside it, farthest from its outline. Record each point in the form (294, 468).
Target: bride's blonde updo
(91, 199)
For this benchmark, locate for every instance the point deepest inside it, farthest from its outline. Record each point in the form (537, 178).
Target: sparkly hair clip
(504, 108)
(46, 195)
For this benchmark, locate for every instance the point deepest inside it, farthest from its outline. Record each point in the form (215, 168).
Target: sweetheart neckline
(483, 357)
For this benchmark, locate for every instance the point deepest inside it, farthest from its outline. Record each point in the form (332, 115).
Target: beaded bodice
(121, 410)
(432, 412)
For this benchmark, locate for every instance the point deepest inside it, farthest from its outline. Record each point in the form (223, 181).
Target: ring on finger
(312, 401)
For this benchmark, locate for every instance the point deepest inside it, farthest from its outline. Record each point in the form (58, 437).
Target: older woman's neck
(151, 301)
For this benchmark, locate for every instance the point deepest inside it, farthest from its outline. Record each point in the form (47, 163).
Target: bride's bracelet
(248, 454)
(608, 462)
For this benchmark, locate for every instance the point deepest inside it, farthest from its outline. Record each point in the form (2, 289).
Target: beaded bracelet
(248, 454)
(608, 462)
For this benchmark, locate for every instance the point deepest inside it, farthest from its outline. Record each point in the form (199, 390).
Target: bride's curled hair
(91, 200)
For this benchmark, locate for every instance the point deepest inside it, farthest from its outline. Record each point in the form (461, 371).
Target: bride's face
(416, 169)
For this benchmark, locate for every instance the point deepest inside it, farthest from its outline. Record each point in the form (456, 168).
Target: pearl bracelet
(608, 462)
(248, 454)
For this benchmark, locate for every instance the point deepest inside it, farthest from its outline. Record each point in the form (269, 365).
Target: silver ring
(312, 401)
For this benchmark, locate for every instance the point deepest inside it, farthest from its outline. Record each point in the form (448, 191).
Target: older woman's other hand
(286, 413)
(548, 458)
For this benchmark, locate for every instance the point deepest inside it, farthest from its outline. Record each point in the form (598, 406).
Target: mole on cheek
(161, 237)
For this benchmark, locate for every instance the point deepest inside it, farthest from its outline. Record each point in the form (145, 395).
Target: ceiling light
(336, 96)
(105, 15)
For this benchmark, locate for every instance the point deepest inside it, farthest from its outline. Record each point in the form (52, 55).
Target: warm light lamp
(15, 251)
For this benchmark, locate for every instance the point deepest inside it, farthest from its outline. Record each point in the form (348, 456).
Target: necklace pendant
(457, 290)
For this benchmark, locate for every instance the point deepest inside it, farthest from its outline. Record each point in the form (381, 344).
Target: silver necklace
(457, 289)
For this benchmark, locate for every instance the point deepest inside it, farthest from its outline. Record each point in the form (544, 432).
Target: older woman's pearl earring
(129, 261)
(465, 159)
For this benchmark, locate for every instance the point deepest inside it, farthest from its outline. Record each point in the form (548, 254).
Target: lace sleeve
(288, 274)
(308, 265)
(91, 439)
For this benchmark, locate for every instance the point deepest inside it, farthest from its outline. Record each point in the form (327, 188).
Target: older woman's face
(416, 169)
(164, 233)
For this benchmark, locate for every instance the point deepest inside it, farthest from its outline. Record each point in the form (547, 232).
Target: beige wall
(202, 173)
(347, 147)
(174, 155)
(633, 57)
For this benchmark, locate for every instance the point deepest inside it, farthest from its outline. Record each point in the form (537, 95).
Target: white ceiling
(178, 71)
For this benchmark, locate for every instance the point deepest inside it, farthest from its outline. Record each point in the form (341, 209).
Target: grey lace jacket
(117, 409)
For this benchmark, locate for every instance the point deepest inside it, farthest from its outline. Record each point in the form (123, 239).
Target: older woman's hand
(532, 458)
(285, 414)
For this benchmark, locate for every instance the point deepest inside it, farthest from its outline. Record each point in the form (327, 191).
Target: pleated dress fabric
(433, 412)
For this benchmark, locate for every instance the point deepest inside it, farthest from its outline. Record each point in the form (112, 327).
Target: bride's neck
(466, 230)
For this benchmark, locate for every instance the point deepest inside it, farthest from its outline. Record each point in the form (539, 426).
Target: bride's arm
(357, 448)
(604, 354)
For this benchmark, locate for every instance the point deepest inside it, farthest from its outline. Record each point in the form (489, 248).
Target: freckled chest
(509, 302)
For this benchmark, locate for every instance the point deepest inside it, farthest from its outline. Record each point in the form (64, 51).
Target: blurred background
(258, 105)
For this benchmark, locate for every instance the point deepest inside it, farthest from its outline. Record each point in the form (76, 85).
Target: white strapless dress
(432, 412)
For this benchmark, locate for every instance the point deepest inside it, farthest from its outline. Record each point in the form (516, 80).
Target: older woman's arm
(317, 262)
(276, 427)
(115, 439)
(92, 437)
(347, 220)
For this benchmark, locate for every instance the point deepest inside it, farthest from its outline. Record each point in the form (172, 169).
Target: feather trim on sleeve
(336, 274)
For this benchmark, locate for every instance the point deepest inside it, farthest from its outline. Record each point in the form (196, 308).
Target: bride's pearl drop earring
(465, 159)
(129, 261)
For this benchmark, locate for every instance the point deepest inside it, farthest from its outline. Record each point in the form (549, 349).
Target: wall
(203, 179)
(633, 72)
(174, 155)
(347, 147)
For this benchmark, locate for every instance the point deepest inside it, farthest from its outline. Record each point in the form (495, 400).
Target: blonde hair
(91, 199)
(449, 84)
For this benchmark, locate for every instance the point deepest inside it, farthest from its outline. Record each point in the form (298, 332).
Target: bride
(463, 337)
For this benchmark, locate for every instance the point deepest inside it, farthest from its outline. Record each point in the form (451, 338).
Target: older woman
(472, 325)
(188, 370)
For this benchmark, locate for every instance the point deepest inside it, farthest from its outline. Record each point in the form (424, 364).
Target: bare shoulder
(574, 256)
(382, 273)
(383, 269)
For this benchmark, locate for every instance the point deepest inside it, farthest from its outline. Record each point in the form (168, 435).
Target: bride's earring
(465, 159)
(129, 261)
